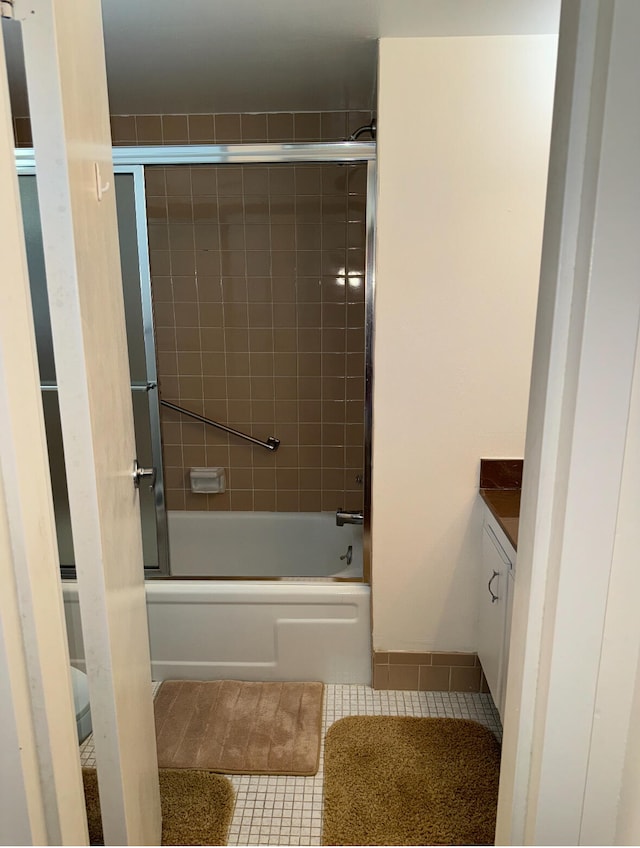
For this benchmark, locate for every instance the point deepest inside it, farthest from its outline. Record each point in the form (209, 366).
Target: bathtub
(303, 627)
(262, 544)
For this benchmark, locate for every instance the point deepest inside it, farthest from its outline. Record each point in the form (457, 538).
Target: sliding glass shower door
(140, 339)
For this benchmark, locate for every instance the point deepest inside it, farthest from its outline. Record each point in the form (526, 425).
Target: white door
(64, 57)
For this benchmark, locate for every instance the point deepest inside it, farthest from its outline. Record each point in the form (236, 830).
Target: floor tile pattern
(288, 810)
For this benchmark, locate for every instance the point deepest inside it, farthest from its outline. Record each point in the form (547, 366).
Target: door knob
(139, 473)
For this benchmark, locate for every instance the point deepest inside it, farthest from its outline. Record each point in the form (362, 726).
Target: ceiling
(196, 56)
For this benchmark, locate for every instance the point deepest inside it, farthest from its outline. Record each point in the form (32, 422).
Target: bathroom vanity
(495, 604)
(499, 544)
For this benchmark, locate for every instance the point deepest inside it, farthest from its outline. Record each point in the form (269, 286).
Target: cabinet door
(492, 614)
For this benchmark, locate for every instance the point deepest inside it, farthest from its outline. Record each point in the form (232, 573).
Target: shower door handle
(139, 473)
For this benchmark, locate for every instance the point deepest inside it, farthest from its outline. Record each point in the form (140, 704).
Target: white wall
(463, 141)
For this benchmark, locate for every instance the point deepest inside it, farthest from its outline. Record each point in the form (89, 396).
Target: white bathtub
(250, 630)
(301, 626)
(262, 544)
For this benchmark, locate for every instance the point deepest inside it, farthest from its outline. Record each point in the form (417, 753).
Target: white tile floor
(288, 810)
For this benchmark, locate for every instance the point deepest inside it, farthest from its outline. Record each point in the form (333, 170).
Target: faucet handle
(346, 516)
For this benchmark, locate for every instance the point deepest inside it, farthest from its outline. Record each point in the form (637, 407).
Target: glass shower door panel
(53, 429)
(58, 477)
(37, 278)
(127, 231)
(130, 268)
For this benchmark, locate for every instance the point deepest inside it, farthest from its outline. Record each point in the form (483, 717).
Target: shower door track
(133, 160)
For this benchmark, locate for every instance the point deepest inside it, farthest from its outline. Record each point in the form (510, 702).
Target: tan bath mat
(393, 780)
(237, 727)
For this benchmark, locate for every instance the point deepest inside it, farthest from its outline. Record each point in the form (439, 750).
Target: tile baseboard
(433, 671)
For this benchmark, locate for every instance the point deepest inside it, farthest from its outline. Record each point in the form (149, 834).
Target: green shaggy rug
(393, 780)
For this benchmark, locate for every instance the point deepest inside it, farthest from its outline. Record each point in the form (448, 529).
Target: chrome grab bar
(345, 516)
(271, 444)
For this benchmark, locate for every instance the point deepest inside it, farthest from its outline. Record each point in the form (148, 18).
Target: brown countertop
(500, 488)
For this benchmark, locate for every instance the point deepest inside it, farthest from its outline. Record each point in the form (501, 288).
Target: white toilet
(81, 702)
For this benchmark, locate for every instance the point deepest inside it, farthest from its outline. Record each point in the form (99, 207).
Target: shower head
(370, 128)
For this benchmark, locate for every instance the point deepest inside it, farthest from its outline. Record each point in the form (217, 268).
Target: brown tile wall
(223, 128)
(236, 128)
(428, 672)
(258, 292)
(258, 287)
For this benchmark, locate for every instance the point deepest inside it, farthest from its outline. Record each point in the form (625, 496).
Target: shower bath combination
(248, 282)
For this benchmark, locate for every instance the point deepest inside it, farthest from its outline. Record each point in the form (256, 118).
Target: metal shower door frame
(151, 387)
(342, 152)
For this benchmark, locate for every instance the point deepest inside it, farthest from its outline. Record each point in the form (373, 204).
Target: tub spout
(345, 516)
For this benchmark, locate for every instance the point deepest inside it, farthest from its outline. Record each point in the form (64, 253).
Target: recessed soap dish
(208, 481)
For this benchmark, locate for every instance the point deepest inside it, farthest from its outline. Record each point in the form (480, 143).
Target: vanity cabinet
(495, 604)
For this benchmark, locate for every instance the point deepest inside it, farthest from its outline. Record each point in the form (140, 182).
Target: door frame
(569, 772)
